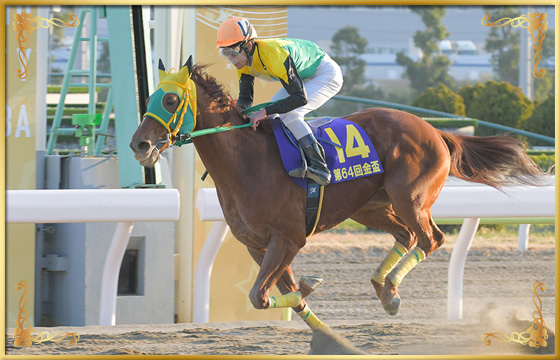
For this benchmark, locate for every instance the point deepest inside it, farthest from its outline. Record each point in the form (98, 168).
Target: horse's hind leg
(384, 218)
(412, 204)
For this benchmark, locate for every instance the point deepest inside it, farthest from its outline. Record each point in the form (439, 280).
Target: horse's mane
(215, 90)
(217, 93)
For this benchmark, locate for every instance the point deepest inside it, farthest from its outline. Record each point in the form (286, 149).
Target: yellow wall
(234, 270)
(20, 167)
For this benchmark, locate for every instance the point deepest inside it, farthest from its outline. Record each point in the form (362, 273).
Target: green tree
(501, 103)
(431, 69)
(542, 119)
(503, 43)
(545, 162)
(469, 93)
(441, 98)
(347, 47)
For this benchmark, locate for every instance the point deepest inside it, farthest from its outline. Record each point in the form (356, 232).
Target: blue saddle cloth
(349, 151)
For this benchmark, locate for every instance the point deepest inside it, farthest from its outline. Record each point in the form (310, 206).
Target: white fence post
(110, 277)
(124, 206)
(457, 267)
(209, 209)
(523, 237)
(201, 302)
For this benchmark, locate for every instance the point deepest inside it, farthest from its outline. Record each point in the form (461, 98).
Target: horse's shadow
(328, 342)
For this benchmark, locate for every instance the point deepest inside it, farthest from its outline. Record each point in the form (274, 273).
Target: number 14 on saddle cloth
(348, 150)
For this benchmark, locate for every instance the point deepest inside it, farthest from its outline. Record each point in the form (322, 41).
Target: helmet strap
(245, 48)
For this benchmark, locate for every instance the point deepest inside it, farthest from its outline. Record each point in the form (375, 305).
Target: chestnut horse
(265, 208)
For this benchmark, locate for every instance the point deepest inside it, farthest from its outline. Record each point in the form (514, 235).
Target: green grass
(485, 230)
(349, 225)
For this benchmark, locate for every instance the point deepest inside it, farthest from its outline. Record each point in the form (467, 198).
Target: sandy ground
(498, 297)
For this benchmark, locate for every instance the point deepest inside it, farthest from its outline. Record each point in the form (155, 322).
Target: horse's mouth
(150, 159)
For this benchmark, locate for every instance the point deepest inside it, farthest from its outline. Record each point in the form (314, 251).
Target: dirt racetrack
(498, 297)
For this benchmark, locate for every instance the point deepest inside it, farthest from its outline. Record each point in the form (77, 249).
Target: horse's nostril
(144, 146)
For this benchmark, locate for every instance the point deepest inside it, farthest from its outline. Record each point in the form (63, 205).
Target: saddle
(349, 152)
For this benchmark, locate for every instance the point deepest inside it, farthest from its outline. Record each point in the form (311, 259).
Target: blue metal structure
(92, 83)
(127, 113)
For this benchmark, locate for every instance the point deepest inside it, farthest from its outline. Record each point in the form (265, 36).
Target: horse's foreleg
(292, 296)
(295, 300)
(306, 286)
(273, 263)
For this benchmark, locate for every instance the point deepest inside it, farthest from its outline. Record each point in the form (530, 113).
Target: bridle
(177, 128)
(181, 123)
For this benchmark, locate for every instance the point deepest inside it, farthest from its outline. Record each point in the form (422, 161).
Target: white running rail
(470, 203)
(123, 206)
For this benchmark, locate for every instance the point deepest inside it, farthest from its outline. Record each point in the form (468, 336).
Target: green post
(125, 99)
(85, 131)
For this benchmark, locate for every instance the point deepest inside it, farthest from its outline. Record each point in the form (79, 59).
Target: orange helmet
(235, 29)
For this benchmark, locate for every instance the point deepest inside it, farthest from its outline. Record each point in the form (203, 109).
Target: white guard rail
(209, 209)
(463, 202)
(124, 206)
(473, 203)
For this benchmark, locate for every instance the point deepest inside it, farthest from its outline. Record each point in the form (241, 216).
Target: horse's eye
(171, 100)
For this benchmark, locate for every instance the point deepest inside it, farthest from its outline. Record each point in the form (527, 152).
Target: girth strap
(313, 207)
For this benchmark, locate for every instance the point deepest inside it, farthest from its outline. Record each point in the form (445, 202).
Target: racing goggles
(233, 53)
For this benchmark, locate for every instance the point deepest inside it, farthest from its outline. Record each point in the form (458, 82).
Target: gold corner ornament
(533, 22)
(24, 25)
(535, 336)
(24, 333)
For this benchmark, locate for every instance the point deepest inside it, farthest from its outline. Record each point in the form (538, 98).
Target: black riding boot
(316, 168)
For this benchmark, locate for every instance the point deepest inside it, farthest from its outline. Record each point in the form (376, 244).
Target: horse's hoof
(308, 284)
(378, 287)
(392, 308)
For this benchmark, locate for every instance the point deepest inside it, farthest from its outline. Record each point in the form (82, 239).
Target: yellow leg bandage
(311, 320)
(288, 300)
(410, 261)
(391, 260)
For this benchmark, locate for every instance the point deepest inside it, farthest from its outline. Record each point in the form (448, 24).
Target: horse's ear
(185, 70)
(161, 70)
(189, 64)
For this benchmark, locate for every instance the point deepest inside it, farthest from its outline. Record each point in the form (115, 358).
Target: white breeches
(320, 87)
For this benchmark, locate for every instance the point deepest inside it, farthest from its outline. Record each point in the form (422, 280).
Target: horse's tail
(491, 160)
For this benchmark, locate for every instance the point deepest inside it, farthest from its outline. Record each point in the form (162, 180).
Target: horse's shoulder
(265, 127)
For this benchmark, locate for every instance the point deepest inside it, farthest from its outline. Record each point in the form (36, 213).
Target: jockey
(308, 75)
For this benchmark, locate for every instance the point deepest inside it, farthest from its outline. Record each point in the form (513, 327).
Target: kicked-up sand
(497, 298)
